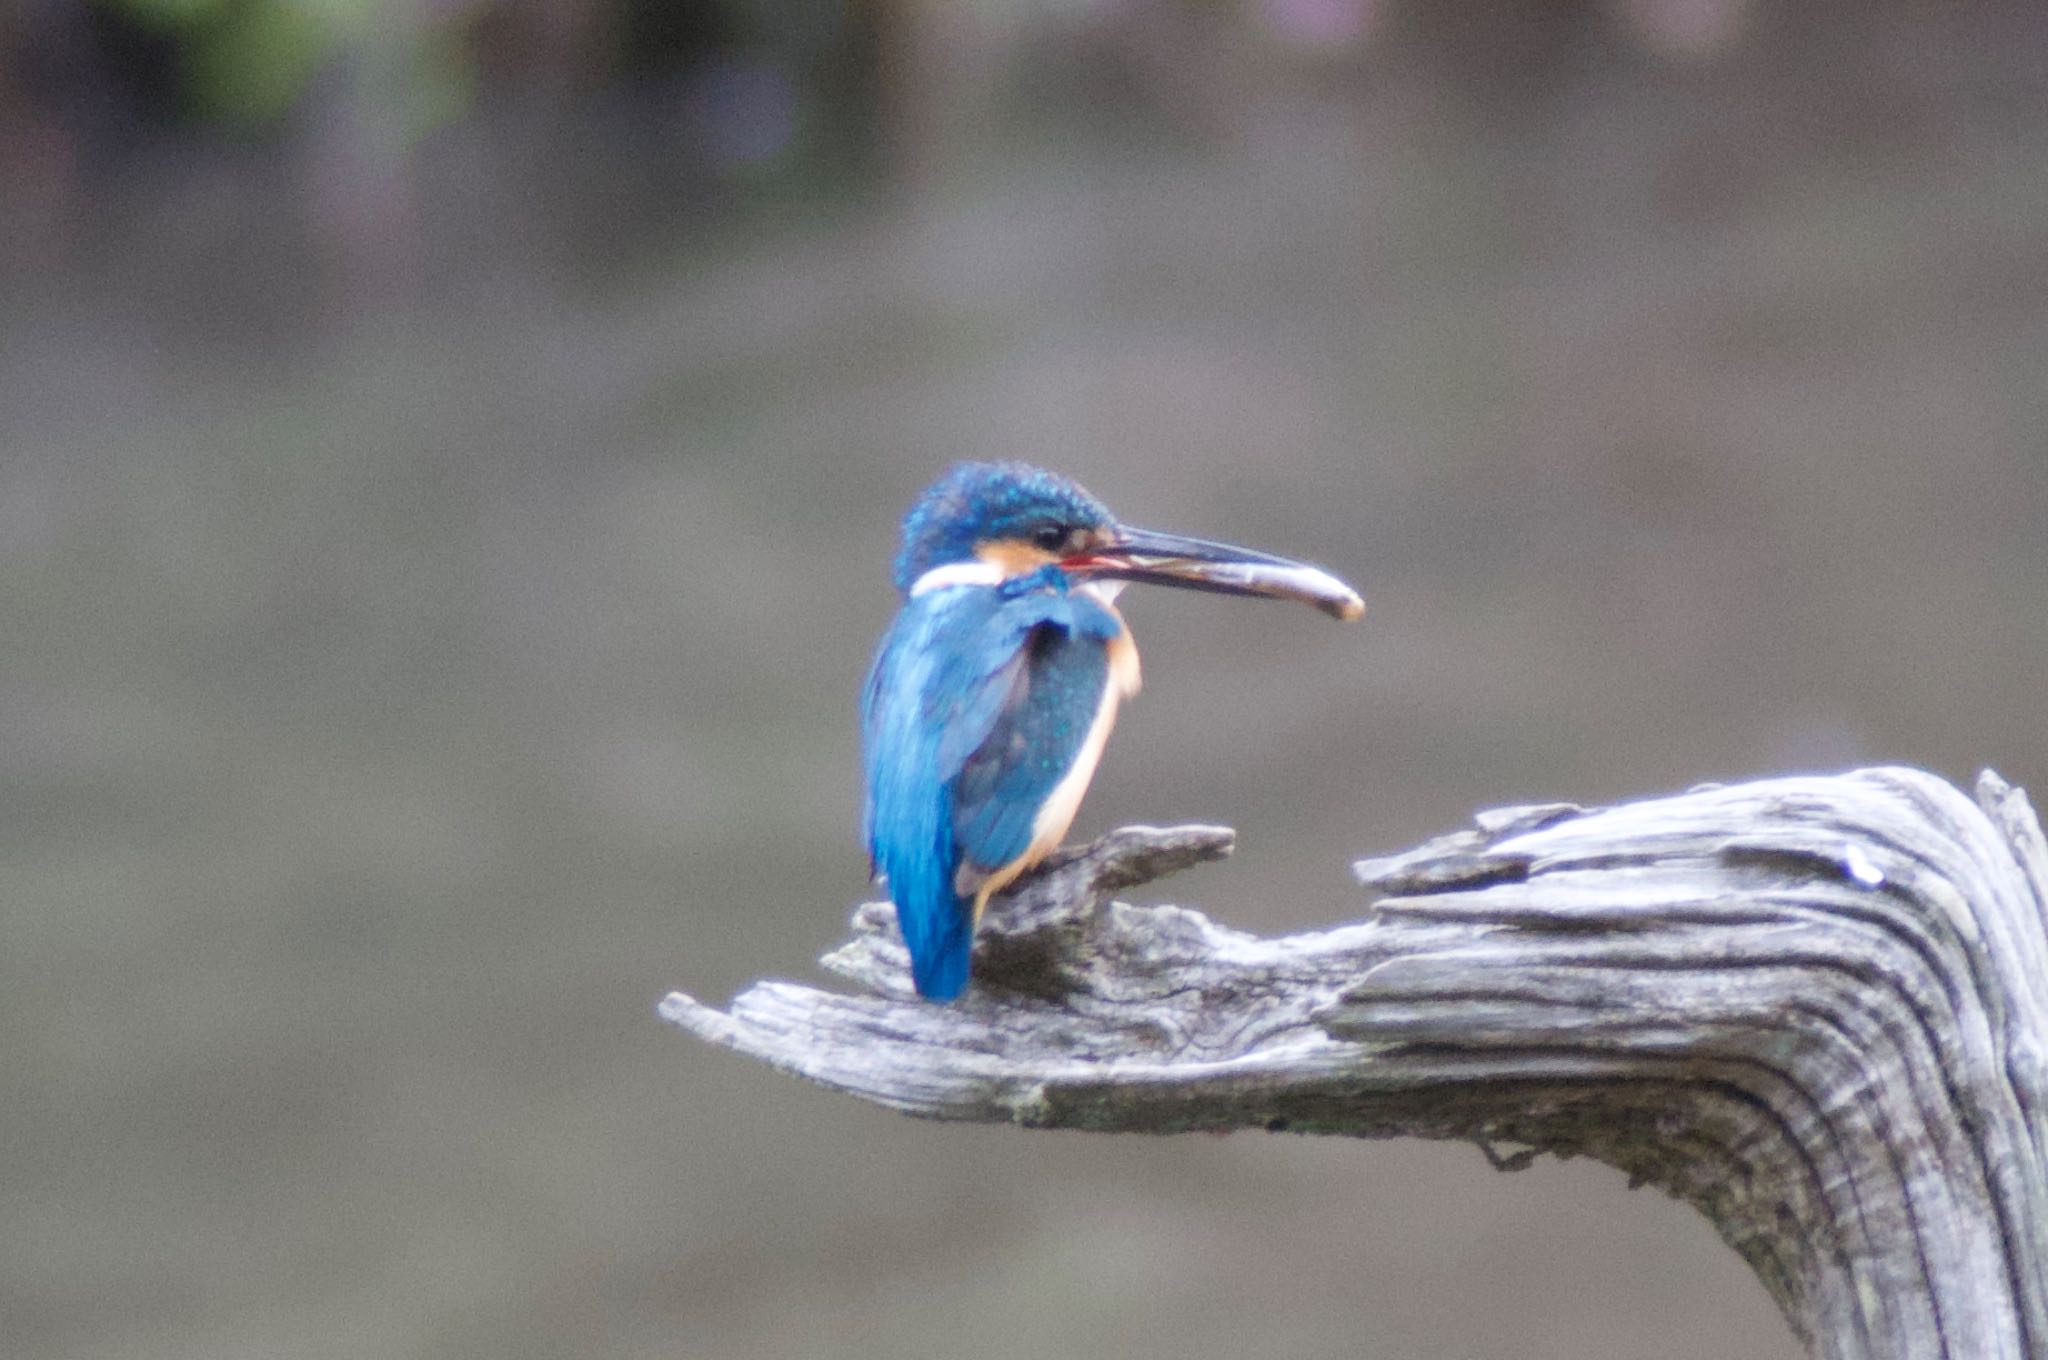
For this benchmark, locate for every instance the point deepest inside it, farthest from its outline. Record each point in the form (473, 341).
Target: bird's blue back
(977, 703)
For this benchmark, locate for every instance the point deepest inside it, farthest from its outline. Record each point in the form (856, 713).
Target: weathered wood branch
(1815, 1008)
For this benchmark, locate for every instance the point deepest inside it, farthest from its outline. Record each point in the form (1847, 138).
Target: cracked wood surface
(1815, 1008)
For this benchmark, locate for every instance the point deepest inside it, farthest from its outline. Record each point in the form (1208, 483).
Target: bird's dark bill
(1198, 564)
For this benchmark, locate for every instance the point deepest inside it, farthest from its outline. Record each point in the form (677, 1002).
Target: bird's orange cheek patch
(1013, 556)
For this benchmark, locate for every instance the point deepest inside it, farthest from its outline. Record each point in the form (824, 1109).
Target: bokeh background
(449, 458)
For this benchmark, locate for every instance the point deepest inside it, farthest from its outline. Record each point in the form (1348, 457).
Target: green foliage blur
(249, 61)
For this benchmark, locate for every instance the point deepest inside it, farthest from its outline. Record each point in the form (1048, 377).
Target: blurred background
(449, 459)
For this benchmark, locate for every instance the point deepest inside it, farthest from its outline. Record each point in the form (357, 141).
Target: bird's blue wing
(1062, 669)
(969, 717)
(938, 679)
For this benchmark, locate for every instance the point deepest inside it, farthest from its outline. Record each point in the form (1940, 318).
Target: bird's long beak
(1197, 564)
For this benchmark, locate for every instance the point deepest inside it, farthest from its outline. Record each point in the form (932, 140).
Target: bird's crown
(976, 504)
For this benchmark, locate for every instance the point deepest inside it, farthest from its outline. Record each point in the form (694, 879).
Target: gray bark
(1814, 1008)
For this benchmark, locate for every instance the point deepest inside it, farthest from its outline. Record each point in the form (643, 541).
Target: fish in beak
(1128, 554)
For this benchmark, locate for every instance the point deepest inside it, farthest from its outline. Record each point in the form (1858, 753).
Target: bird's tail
(914, 847)
(938, 928)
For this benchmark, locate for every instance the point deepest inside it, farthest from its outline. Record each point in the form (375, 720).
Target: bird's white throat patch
(981, 572)
(975, 572)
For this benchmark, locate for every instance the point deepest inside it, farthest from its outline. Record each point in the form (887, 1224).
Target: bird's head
(984, 523)
(992, 521)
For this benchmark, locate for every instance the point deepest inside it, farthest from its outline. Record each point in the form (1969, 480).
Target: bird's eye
(1051, 538)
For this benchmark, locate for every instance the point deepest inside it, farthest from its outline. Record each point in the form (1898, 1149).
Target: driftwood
(1815, 1008)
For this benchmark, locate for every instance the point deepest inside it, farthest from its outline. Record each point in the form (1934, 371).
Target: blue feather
(977, 702)
(976, 502)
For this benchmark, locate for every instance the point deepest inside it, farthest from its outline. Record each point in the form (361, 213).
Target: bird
(994, 689)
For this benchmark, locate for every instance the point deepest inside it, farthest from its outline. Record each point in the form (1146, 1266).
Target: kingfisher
(994, 690)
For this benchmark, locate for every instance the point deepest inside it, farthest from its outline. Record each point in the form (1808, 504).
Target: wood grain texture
(1815, 1008)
